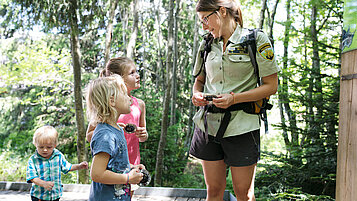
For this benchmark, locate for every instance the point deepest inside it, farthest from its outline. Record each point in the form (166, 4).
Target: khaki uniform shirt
(232, 71)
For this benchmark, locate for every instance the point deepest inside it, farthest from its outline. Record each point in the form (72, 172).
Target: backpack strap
(252, 51)
(204, 53)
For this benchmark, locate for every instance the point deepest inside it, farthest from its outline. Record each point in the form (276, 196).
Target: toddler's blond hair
(45, 134)
(99, 93)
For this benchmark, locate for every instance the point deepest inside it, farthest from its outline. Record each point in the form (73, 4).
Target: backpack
(257, 107)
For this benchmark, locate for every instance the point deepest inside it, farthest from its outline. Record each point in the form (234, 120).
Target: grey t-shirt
(112, 141)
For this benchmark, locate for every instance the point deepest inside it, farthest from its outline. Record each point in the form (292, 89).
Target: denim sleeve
(103, 141)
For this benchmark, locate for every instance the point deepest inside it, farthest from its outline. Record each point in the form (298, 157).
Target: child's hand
(141, 133)
(135, 176)
(83, 165)
(140, 166)
(48, 185)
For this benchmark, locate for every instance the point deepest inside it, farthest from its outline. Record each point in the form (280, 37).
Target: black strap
(223, 126)
(204, 53)
(235, 107)
(349, 77)
(225, 121)
(252, 50)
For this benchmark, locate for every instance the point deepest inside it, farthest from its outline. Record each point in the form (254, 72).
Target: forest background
(51, 49)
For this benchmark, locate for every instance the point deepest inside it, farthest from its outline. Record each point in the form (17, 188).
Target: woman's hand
(223, 101)
(198, 99)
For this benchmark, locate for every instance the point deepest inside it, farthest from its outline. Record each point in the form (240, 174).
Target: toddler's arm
(100, 174)
(48, 185)
(82, 165)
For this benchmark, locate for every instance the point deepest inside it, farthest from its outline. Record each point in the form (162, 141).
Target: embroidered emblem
(239, 50)
(266, 51)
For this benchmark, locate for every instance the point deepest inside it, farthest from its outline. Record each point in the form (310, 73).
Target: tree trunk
(124, 19)
(316, 76)
(76, 60)
(159, 56)
(192, 107)
(262, 14)
(174, 73)
(309, 105)
(284, 104)
(109, 34)
(165, 118)
(272, 21)
(143, 75)
(132, 42)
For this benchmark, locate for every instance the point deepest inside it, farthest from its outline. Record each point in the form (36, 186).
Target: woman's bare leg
(215, 177)
(243, 182)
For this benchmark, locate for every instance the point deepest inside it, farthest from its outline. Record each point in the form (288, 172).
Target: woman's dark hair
(231, 6)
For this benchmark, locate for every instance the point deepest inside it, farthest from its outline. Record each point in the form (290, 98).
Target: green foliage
(36, 88)
(175, 152)
(13, 166)
(279, 176)
(37, 91)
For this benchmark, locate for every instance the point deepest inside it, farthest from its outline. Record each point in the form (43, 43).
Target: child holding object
(111, 171)
(45, 166)
(135, 120)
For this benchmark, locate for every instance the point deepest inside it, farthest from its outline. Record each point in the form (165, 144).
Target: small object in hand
(209, 97)
(146, 177)
(130, 128)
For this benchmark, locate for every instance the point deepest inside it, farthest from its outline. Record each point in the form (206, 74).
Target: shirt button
(220, 68)
(240, 58)
(218, 120)
(221, 82)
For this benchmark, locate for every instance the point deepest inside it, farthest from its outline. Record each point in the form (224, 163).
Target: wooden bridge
(20, 191)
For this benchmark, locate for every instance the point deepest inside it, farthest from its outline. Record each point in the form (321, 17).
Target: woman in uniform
(225, 136)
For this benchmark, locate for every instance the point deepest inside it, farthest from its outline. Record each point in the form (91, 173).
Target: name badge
(239, 50)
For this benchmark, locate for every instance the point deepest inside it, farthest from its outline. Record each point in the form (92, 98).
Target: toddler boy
(45, 166)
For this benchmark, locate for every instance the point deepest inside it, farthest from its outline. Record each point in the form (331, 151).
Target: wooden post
(346, 184)
(346, 181)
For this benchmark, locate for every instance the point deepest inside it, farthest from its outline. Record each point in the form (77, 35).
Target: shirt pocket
(239, 66)
(241, 58)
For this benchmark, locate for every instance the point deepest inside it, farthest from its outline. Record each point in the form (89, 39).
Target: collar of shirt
(236, 36)
(39, 157)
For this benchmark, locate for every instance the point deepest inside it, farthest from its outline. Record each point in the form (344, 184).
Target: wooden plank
(346, 181)
(181, 199)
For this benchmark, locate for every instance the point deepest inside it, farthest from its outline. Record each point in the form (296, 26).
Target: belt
(226, 118)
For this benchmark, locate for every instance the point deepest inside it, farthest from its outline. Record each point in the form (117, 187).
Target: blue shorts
(236, 151)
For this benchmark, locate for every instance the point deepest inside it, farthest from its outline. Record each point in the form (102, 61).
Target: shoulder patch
(266, 51)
